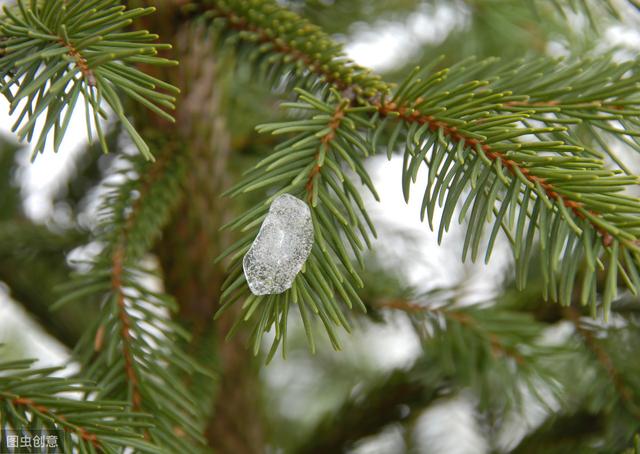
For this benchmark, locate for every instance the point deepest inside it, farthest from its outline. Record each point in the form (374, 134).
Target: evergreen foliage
(132, 351)
(482, 125)
(33, 400)
(56, 51)
(538, 148)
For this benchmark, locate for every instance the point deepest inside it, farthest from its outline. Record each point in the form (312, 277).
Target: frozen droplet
(281, 247)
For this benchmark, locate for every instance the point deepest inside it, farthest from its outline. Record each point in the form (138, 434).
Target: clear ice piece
(281, 247)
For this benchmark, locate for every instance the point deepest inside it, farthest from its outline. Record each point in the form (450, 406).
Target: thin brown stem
(334, 124)
(413, 115)
(81, 63)
(461, 317)
(314, 65)
(34, 407)
(118, 263)
(125, 322)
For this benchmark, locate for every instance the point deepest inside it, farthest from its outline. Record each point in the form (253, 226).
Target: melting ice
(281, 247)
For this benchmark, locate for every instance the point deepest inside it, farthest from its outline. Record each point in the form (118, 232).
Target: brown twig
(118, 261)
(413, 115)
(334, 124)
(67, 426)
(461, 317)
(81, 63)
(125, 331)
(315, 65)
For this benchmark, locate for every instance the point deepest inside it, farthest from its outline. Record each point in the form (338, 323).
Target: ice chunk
(281, 247)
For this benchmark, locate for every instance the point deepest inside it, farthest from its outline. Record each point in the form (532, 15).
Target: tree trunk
(192, 241)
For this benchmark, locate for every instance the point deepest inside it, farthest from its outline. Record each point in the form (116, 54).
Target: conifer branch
(625, 392)
(474, 134)
(481, 343)
(309, 166)
(549, 196)
(513, 80)
(554, 176)
(33, 401)
(290, 42)
(462, 317)
(135, 321)
(122, 254)
(54, 53)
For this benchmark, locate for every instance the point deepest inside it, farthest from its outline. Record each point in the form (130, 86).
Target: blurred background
(391, 389)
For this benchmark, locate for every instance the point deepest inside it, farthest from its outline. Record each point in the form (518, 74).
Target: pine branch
(33, 401)
(549, 194)
(309, 166)
(384, 402)
(559, 186)
(492, 350)
(602, 77)
(133, 352)
(627, 394)
(597, 99)
(530, 180)
(55, 52)
(281, 42)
